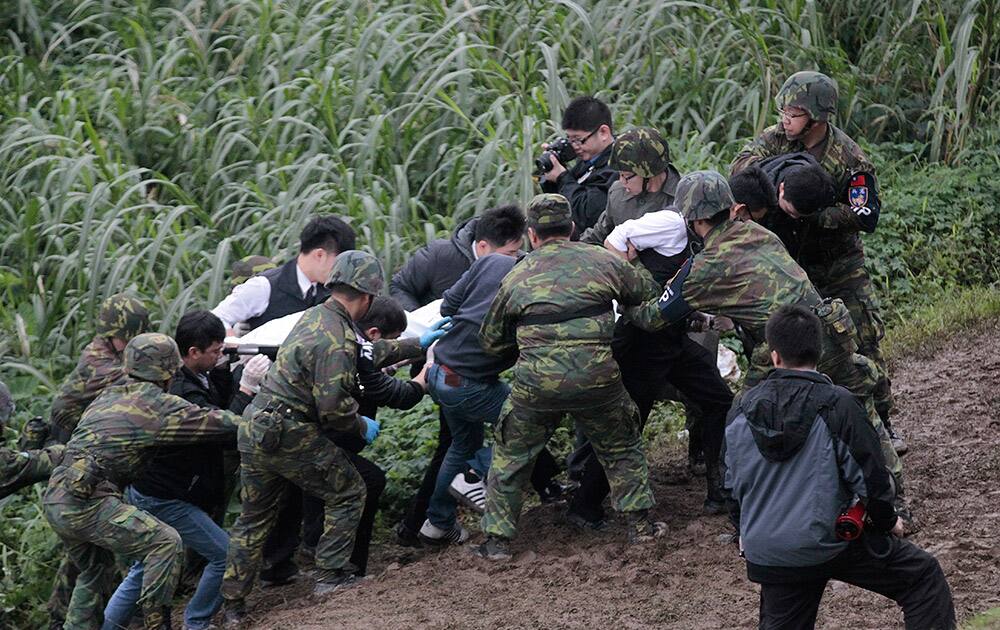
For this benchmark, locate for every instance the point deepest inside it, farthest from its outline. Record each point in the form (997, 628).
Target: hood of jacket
(782, 409)
(464, 236)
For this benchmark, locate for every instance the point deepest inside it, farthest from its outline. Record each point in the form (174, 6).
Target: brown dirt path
(559, 578)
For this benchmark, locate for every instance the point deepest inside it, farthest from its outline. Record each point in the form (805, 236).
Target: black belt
(558, 318)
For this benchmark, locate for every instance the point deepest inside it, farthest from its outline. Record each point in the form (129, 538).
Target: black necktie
(311, 295)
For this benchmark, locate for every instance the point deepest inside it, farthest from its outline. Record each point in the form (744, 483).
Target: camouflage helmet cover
(813, 92)
(642, 151)
(702, 195)
(359, 270)
(122, 316)
(6, 404)
(246, 268)
(549, 210)
(152, 357)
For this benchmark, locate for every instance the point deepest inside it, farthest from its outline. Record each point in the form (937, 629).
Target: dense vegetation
(144, 144)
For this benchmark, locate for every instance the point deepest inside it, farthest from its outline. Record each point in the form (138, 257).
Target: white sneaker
(470, 494)
(433, 535)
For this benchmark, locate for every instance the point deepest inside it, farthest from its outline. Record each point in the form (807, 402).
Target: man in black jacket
(587, 125)
(184, 485)
(799, 452)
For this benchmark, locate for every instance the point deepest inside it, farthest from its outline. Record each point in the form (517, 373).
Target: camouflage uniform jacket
(118, 435)
(100, 366)
(19, 469)
(829, 246)
(744, 272)
(566, 359)
(621, 207)
(314, 373)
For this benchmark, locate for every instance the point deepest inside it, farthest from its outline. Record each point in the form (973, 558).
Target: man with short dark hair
(184, 485)
(588, 126)
(295, 285)
(434, 268)
(806, 473)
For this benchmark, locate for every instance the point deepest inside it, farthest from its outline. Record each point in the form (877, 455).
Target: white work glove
(254, 371)
(241, 329)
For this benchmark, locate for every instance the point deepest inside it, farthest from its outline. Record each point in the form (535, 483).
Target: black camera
(562, 149)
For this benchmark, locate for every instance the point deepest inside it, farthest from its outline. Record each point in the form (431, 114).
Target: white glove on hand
(241, 329)
(254, 371)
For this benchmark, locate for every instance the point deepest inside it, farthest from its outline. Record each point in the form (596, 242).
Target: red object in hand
(851, 522)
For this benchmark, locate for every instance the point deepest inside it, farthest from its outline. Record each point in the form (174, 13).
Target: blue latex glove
(373, 427)
(437, 330)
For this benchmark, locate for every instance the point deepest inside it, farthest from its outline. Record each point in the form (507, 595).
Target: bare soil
(949, 412)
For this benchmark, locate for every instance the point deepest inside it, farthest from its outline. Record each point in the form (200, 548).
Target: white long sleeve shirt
(663, 231)
(251, 298)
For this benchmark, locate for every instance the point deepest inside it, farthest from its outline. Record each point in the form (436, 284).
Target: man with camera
(806, 472)
(587, 124)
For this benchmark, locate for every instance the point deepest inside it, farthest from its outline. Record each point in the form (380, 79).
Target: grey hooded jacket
(798, 450)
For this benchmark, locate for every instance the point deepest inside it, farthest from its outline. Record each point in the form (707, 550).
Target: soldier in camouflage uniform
(652, 361)
(117, 435)
(745, 273)
(30, 462)
(828, 245)
(309, 391)
(121, 318)
(554, 311)
(248, 267)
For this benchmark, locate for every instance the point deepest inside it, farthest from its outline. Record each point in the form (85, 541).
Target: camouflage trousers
(855, 289)
(524, 429)
(304, 457)
(90, 528)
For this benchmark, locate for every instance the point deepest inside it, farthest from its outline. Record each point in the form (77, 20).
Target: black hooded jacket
(434, 268)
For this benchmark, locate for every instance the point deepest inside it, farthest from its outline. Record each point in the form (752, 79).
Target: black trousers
(283, 541)
(648, 360)
(313, 511)
(546, 468)
(909, 575)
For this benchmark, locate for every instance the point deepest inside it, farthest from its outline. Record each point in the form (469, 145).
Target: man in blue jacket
(799, 451)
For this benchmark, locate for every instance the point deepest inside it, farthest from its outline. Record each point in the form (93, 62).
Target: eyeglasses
(784, 113)
(580, 141)
(626, 178)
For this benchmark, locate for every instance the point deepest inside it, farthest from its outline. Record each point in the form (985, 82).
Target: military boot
(234, 614)
(716, 499)
(495, 548)
(334, 581)
(642, 528)
(157, 618)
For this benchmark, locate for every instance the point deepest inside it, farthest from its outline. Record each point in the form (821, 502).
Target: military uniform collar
(715, 234)
(334, 305)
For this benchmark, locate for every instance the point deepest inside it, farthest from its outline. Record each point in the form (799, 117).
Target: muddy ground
(949, 412)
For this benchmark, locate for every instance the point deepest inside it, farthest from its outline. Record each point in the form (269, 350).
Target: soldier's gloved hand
(437, 330)
(33, 434)
(372, 429)
(253, 373)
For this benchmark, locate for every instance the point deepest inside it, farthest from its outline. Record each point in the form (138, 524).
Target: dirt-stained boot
(642, 528)
(156, 618)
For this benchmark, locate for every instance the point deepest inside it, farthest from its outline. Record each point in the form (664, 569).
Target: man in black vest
(295, 285)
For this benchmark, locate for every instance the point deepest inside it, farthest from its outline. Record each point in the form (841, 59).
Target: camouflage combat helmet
(641, 151)
(702, 195)
(122, 316)
(6, 404)
(246, 268)
(549, 210)
(152, 357)
(813, 92)
(359, 270)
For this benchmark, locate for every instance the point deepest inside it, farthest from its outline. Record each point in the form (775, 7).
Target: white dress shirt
(250, 299)
(664, 231)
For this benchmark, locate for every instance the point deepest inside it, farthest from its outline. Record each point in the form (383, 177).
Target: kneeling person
(799, 451)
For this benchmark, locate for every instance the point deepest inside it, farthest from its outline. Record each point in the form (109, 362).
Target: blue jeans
(466, 408)
(199, 532)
